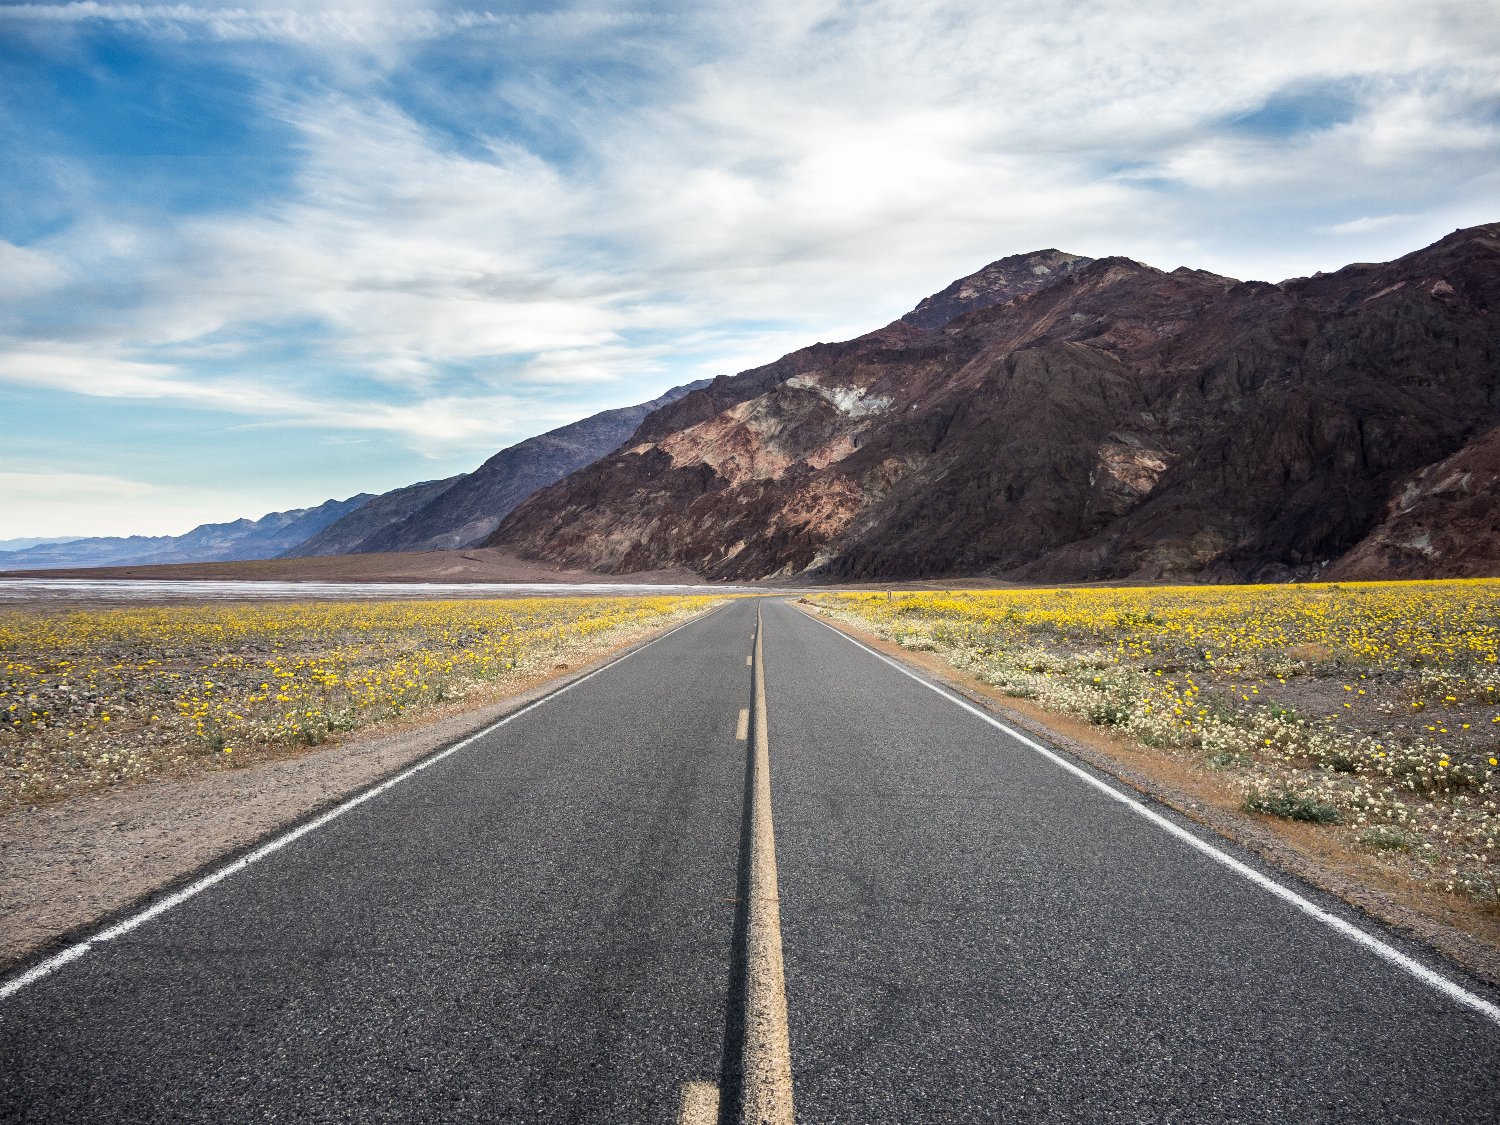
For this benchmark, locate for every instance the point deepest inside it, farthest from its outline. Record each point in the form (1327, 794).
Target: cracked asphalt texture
(540, 928)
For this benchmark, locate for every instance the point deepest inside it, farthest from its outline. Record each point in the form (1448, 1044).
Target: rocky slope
(1076, 420)
(1443, 519)
(264, 538)
(999, 282)
(344, 536)
(462, 511)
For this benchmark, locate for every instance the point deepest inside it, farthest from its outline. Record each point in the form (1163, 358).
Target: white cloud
(53, 486)
(427, 424)
(1368, 223)
(306, 22)
(28, 273)
(701, 192)
(46, 504)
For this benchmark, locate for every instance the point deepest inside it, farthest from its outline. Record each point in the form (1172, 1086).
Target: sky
(256, 256)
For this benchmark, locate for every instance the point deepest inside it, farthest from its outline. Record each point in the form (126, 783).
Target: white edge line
(1333, 921)
(119, 929)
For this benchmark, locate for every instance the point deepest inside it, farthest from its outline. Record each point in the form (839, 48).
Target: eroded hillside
(1097, 419)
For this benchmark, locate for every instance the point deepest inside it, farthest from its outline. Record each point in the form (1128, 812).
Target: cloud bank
(450, 227)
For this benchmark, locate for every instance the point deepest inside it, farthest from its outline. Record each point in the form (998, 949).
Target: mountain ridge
(1106, 420)
(452, 513)
(471, 506)
(233, 541)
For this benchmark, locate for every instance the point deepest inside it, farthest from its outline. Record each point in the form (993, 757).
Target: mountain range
(1056, 418)
(462, 511)
(457, 512)
(237, 540)
(1050, 417)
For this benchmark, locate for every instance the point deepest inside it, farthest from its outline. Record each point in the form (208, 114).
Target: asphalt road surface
(548, 924)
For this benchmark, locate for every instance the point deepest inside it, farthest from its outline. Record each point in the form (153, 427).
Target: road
(549, 924)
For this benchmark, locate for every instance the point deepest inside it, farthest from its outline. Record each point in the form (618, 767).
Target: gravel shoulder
(67, 866)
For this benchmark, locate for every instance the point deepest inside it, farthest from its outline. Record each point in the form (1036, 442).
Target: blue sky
(256, 256)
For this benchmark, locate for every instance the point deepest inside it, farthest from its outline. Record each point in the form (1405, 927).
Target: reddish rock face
(1444, 519)
(1078, 419)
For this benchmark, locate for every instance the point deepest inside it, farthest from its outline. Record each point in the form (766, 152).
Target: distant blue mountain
(437, 515)
(33, 541)
(242, 539)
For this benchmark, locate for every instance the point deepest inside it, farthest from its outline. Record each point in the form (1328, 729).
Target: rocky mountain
(999, 282)
(457, 512)
(343, 536)
(1076, 419)
(462, 511)
(34, 541)
(1444, 518)
(264, 538)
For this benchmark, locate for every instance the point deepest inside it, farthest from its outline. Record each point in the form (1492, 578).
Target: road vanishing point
(749, 871)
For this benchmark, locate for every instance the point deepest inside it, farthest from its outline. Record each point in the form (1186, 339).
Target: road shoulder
(67, 867)
(1199, 796)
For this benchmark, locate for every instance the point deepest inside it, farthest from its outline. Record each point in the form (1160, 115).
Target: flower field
(91, 698)
(1372, 708)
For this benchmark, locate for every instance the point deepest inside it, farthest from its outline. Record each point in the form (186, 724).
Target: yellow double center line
(766, 1054)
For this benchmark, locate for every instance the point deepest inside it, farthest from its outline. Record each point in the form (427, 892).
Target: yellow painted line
(742, 728)
(700, 1104)
(767, 1062)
